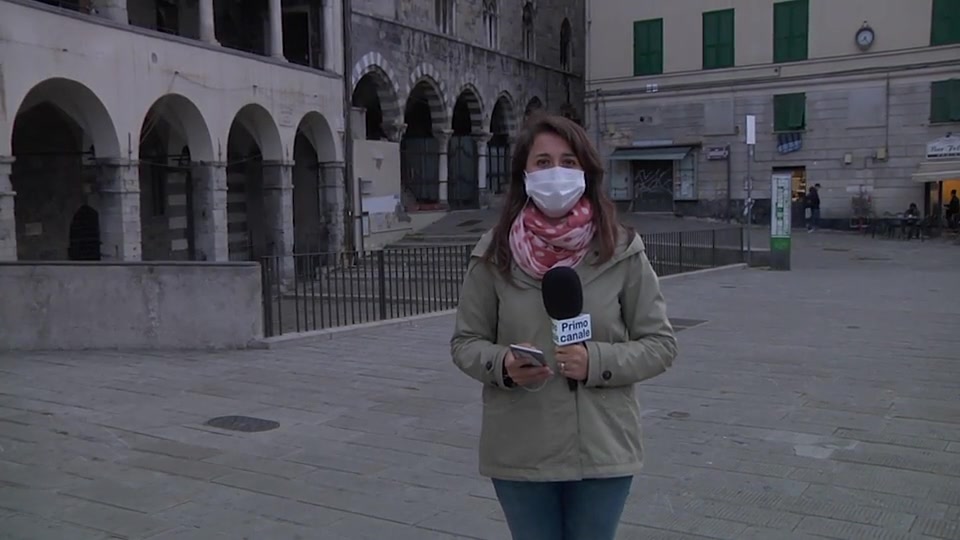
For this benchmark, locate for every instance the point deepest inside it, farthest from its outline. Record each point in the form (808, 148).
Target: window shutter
(656, 46)
(939, 101)
(798, 30)
(945, 22)
(781, 32)
(726, 39)
(709, 41)
(639, 43)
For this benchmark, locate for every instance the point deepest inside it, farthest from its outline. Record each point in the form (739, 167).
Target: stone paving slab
(818, 403)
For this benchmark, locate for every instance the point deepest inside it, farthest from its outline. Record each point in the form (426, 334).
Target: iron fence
(688, 251)
(315, 291)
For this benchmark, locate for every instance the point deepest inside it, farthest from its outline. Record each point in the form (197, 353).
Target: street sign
(718, 153)
(751, 129)
(781, 196)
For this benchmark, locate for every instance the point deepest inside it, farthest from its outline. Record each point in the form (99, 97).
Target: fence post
(680, 257)
(265, 299)
(382, 283)
(713, 248)
(740, 230)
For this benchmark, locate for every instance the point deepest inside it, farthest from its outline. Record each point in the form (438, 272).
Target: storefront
(939, 173)
(652, 179)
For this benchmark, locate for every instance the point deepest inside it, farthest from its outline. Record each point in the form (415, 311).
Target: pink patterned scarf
(539, 243)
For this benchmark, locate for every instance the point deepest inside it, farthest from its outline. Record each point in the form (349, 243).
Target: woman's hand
(522, 371)
(573, 361)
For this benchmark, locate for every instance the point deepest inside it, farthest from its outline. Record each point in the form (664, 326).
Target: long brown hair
(605, 213)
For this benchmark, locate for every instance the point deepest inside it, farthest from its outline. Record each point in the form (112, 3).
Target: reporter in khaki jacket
(561, 461)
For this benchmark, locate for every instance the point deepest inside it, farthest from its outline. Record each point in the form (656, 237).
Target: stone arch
(172, 137)
(315, 127)
(503, 117)
(534, 104)
(314, 184)
(374, 66)
(59, 131)
(257, 216)
(82, 106)
(469, 97)
(261, 126)
(185, 118)
(425, 82)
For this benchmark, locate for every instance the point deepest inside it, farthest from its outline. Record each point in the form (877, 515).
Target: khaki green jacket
(556, 434)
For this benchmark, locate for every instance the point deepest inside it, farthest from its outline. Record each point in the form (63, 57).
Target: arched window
(566, 47)
(444, 11)
(491, 23)
(528, 34)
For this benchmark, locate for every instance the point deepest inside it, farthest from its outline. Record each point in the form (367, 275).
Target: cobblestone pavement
(821, 402)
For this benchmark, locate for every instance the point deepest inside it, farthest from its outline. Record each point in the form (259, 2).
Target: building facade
(170, 129)
(441, 87)
(862, 99)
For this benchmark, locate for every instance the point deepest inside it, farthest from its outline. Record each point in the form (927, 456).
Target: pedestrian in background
(562, 461)
(813, 205)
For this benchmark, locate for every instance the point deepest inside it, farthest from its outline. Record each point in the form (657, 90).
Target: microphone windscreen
(562, 293)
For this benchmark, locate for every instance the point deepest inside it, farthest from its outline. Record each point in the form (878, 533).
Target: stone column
(208, 31)
(278, 211)
(115, 10)
(443, 143)
(276, 30)
(483, 183)
(8, 221)
(118, 184)
(211, 236)
(332, 40)
(332, 205)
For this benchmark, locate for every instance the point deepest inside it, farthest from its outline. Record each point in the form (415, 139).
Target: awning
(664, 153)
(937, 171)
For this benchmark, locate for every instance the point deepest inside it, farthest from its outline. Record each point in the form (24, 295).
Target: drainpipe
(349, 219)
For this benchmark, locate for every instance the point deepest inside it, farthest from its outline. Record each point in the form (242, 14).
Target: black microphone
(563, 300)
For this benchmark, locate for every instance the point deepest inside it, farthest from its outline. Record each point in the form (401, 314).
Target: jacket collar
(628, 244)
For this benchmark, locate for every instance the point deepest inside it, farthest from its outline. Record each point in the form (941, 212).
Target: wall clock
(865, 36)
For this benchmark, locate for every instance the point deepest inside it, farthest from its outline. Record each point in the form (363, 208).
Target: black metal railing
(306, 292)
(688, 251)
(315, 291)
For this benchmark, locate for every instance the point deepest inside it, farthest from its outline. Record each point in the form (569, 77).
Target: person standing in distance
(562, 461)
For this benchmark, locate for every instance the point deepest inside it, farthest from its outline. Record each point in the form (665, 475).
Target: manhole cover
(246, 424)
(469, 223)
(853, 327)
(865, 258)
(678, 414)
(835, 249)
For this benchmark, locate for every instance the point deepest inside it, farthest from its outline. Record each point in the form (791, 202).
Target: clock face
(865, 37)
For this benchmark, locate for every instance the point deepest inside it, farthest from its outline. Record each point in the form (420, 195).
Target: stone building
(861, 98)
(443, 86)
(170, 129)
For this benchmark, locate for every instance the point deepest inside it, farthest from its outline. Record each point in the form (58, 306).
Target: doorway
(85, 235)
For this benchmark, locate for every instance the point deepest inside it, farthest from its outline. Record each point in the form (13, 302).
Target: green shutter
(790, 29)
(718, 40)
(789, 112)
(945, 101)
(648, 47)
(945, 23)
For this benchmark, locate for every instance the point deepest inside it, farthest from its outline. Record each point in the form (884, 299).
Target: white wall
(899, 25)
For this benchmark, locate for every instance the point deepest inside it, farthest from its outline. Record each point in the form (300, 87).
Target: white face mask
(555, 191)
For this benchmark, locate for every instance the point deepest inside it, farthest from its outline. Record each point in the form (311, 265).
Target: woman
(561, 460)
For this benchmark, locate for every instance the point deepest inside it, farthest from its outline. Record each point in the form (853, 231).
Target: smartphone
(533, 357)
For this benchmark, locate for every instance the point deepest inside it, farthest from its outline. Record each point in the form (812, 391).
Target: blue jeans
(577, 510)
